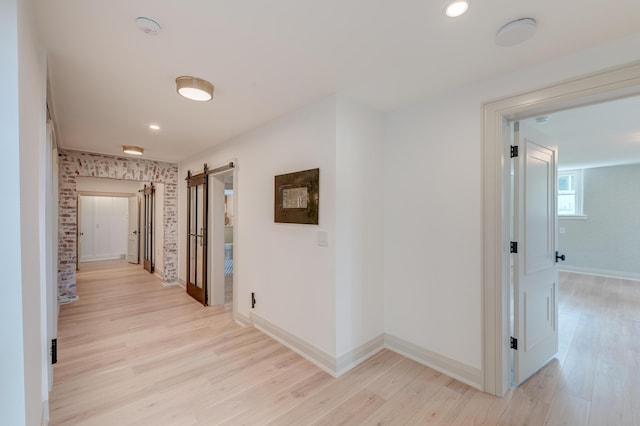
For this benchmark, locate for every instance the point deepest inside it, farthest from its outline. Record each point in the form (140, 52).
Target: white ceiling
(603, 134)
(110, 80)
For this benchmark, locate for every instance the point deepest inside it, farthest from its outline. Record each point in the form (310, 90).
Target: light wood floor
(132, 352)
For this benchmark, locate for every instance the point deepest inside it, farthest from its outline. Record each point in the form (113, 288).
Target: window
(570, 193)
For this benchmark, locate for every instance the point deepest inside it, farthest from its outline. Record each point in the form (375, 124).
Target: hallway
(134, 352)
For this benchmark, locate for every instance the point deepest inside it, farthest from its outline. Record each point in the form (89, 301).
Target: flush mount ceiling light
(194, 88)
(457, 8)
(148, 25)
(154, 127)
(543, 119)
(134, 150)
(516, 32)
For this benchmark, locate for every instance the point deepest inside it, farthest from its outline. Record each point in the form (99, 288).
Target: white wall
(91, 185)
(23, 393)
(608, 241)
(12, 362)
(359, 226)
(293, 277)
(432, 223)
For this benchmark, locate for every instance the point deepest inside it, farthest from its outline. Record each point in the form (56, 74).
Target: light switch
(562, 229)
(323, 238)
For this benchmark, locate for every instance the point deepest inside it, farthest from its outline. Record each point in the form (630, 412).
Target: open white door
(132, 235)
(535, 271)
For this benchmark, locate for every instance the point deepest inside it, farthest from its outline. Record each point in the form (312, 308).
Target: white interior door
(132, 231)
(86, 234)
(535, 274)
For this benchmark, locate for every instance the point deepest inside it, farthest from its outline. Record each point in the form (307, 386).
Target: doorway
(211, 232)
(598, 87)
(222, 223)
(95, 193)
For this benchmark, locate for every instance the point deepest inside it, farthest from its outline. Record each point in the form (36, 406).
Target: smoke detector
(148, 25)
(516, 32)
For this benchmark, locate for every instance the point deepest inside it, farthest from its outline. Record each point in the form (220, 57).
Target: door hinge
(514, 247)
(253, 300)
(514, 343)
(514, 151)
(54, 351)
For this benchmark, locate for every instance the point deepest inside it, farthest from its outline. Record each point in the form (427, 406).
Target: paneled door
(149, 215)
(535, 272)
(197, 216)
(133, 240)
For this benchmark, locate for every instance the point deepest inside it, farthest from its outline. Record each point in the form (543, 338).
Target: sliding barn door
(149, 214)
(197, 214)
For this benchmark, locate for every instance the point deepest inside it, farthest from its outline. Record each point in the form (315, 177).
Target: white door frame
(216, 253)
(593, 88)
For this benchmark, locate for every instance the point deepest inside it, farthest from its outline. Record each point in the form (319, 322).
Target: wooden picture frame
(297, 197)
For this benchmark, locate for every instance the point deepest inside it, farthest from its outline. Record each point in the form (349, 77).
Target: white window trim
(579, 193)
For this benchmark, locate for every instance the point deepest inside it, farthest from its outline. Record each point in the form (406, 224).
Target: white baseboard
(182, 283)
(458, 370)
(356, 356)
(67, 299)
(101, 257)
(44, 416)
(634, 276)
(332, 365)
(308, 351)
(241, 319)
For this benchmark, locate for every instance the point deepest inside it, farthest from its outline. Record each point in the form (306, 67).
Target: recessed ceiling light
(194, 88)
(457, 8)
(148, 25)
(154, 127)
(134, 150)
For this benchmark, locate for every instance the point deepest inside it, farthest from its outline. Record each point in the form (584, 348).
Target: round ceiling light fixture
(543, 119)
(148, 25)
(133, 150)
(457, 8)
(194, 88)
(516, 32)
(154, 127)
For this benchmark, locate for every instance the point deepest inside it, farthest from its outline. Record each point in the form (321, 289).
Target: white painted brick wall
(74, 164)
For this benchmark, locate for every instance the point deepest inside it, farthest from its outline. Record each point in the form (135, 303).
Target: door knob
(135, 232)
(561, 257)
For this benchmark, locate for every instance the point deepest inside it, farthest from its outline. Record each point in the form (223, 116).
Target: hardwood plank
(403, 405)
(353, 411)
(568, 410)
(134, 352)
(339, 390)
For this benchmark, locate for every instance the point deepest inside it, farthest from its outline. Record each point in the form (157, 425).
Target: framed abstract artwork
(297, 197)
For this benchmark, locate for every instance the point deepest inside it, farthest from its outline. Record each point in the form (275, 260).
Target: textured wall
(607, 242)
(74, 164)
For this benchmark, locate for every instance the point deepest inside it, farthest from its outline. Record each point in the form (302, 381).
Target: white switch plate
(323, 238)
(562, 229)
